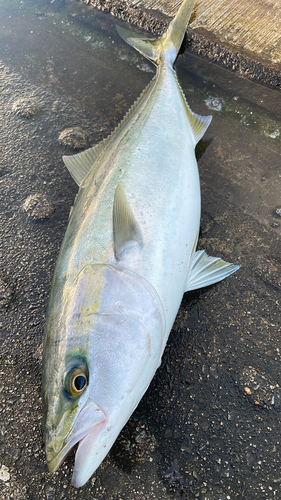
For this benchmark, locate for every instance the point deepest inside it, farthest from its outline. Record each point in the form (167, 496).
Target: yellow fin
(79, 165)
(148, 47)
(176, 30)
(199, 124)
(153, 48)
(206, 270)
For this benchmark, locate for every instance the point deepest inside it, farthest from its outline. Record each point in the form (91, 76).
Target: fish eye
(76, 381)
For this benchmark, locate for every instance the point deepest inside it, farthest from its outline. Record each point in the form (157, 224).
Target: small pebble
(38, 206)
(214, 103)
(275, 134)
(4, 473)
(5, 294)
(74, 137)
(248, 391)
(26, 107)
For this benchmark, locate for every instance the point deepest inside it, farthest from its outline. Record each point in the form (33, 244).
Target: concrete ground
(208, 427)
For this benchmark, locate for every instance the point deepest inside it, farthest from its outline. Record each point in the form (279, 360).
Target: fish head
(70, 414)
(101, 352)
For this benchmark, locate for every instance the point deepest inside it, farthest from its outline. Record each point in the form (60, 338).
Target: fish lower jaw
(91, 451)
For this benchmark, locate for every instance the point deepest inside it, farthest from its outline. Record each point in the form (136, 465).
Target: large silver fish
(127, 258)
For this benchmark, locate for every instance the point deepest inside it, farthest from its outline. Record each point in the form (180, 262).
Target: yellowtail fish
(127, 258)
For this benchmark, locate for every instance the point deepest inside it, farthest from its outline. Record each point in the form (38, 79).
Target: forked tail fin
(170, 42)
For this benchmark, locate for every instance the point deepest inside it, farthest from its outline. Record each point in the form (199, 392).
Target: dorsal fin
(125, 226)
(79, 165)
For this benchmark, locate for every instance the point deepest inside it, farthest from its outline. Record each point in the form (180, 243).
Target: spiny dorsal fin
(206, 270)
(125, 226)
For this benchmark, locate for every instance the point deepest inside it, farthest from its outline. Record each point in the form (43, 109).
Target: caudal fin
(170, 42)
(175, 33)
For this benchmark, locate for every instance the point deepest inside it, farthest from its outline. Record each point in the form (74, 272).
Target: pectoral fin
(207, 270)
(125, 226)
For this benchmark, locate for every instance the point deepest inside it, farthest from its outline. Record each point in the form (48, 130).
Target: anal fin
(207, 270)
(199, 124)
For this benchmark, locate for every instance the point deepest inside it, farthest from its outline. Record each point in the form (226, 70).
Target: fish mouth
(85, 428)
(88, 455)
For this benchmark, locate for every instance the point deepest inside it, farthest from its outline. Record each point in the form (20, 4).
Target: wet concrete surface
(238, 35)
(209, 425)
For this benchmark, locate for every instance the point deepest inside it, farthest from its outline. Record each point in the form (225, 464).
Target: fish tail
(170, 43)
(176, 30)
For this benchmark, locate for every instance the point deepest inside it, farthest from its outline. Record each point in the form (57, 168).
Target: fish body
(127, 258)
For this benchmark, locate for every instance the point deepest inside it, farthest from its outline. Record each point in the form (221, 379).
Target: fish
(127, 257)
